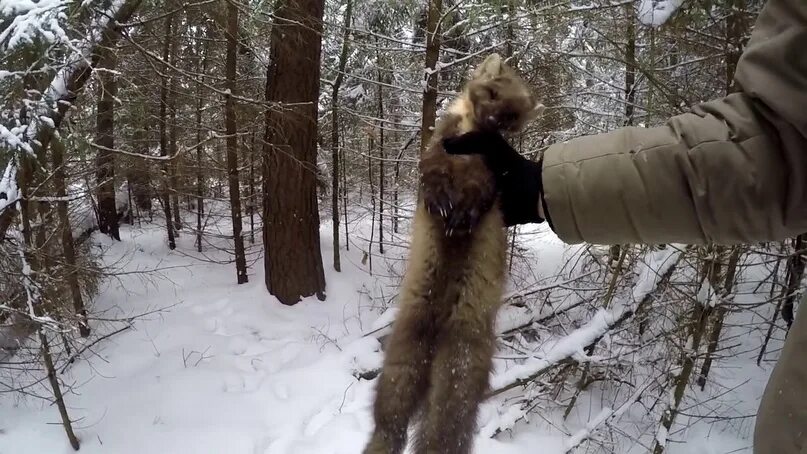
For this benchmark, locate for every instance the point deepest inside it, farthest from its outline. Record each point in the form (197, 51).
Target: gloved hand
(518, 180)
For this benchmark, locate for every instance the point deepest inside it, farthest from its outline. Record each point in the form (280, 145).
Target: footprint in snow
(234, 383)
(238, 345)
(289, 353)
(249, 364)
(324, 416)
(222, 307)
(281, 391)
(215, 325)
(319, 420)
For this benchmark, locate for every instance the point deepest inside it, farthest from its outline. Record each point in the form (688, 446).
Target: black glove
(518, 180)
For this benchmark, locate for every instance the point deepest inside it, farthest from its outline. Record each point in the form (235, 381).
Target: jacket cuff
(554, 197)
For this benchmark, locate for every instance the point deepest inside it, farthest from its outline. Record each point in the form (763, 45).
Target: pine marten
(439, 354)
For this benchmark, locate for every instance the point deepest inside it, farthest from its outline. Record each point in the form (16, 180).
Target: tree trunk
(232, 142)
(173, 132)
(28, 180)
(370, 148)
(697, 328)
(772, 323)
(344, 197)
(200, 188)
(380, 154)
(70, 86)
(736, 30)
(396, 169)
(252, 202)
(68, 248)
(57, 391)
(165, 195)
(630, 66)
(293, 258)
(695, 332)
(105, 162)
(337, 84)
(720, 315)
(430, 74)
(795, 267)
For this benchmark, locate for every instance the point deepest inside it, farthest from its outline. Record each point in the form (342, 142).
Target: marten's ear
(491, 67)
(536, 112)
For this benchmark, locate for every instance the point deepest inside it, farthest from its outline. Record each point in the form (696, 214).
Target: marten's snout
(507, 119)
(494, 115)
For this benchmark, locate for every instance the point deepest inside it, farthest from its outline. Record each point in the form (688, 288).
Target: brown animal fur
(439, 355)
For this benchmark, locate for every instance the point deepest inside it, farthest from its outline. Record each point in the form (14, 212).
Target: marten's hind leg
(403, 382)
(460, 379)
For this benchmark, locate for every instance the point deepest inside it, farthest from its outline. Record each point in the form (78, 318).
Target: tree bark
(694, 334)
(736, 30)
(68, 248)
(381, 181)
(795, 267)
(69, 87)
(252, 202)
(337, 84)
(232, 142)
(58, 398)
(173, 166)
(200, 188)
(344, 198)
(430, 74)
(165, 194)
(105, 137)
(293, 257)
(720, 314)
(28, 180)
(630, 66)
(370, 148)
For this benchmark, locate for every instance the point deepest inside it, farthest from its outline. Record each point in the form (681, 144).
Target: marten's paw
(458, 190)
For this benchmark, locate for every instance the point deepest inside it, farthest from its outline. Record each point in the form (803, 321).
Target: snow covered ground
(220, 368)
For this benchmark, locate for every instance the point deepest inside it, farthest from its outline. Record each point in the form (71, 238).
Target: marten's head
(501, 99)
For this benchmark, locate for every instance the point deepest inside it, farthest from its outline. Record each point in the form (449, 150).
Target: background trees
(226, 121)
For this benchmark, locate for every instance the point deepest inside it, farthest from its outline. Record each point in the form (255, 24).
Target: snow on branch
(69, 80)
(73, 74)
(570, 347)
(9, 193)
(655, 13)
(605, 417)
(32, 20)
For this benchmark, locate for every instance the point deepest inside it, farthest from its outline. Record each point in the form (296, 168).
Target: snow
(228, 369)
(651, 271)
(356, 92)
(13, 140)
(661, 436)
(584, 433)
(216, 367)
(8, 186)
(656, 12)
(571, 345)
(48, 121)
(32, 20)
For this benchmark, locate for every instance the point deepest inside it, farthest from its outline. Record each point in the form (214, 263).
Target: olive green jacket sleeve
(733, 170)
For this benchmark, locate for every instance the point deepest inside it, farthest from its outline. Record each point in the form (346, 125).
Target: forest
(205, 214)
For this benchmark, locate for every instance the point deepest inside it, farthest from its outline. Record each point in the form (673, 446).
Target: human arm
(733, 170)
